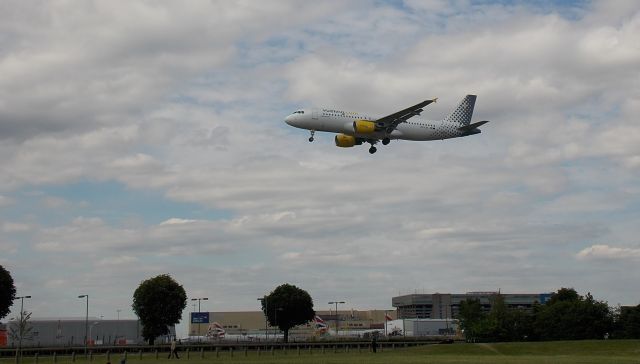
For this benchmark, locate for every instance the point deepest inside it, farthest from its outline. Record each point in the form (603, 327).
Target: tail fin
(462, 114)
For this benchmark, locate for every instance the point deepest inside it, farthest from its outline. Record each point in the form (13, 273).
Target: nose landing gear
(311, 137)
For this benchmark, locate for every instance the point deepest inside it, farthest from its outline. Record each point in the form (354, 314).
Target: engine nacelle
(345, 141)
(364, 127)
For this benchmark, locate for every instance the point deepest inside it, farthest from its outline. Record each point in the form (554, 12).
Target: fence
(50, 355)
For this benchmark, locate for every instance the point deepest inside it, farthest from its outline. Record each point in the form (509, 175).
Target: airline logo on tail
(387, 317)
(215, 330)
(321, 326)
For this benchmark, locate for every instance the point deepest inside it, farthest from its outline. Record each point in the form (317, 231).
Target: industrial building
(71, 332)
(447, 305)
(253, 322)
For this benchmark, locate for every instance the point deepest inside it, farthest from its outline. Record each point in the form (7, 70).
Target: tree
(628, 323)
(20, 330)
(288, 306)
(471, 317)
(158, 302)
(564, 295)
(573, 317)
(7, 292)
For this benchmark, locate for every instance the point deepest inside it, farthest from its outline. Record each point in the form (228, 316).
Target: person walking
(174, 350)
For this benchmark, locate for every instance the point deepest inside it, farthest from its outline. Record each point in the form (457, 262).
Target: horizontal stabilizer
(473, 126)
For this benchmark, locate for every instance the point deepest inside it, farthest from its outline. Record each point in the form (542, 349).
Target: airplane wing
(390, 122)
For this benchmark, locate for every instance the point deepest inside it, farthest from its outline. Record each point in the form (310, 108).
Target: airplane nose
(288, 119)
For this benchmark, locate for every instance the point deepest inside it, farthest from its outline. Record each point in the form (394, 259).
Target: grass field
(612, 351)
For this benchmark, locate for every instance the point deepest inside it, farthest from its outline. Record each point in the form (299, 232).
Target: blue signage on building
(544, 297)
(199, 317)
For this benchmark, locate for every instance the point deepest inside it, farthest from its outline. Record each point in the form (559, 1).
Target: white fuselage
(338, 121)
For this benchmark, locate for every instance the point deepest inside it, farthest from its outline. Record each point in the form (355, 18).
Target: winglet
(435, 100)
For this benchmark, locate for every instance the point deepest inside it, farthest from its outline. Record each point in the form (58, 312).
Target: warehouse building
(71, 332)
(447, 305)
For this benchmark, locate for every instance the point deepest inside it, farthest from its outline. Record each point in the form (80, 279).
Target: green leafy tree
(7, 292)
(520, 325)
(288, 306)
(628, 323)
(564, 295)
(568, 317)
(506, 324)
(501, 323)
(471, 319)
(158, 302)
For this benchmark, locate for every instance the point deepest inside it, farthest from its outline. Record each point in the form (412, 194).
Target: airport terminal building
(447, 305)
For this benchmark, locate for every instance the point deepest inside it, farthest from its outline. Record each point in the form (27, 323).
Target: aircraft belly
(407, 132)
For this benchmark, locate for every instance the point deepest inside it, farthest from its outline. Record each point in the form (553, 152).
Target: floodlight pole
(266, 318)
(199, 299)
(86, 324)
(336, 303)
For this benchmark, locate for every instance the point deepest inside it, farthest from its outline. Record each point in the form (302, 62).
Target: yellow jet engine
(345, 141)
(364, 127)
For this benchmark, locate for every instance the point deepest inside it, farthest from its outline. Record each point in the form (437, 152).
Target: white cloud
(175, 220)
(603, 251)
(14, 227)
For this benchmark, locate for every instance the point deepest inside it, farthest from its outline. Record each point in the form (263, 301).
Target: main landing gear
(311, 137)
(372, 149)
(385, 141)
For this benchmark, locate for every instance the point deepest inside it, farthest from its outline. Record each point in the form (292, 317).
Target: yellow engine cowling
(364, 127)
(345, 141)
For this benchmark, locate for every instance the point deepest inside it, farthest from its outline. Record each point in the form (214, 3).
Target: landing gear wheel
(386, 141)
(311, 137)
(372, 149)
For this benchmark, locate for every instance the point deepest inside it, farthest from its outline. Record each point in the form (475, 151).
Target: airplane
(355, 128)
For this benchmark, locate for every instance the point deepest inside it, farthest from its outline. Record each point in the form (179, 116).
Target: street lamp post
(266, 318)
(21, 325)
(336, 303)
(199, 299)
(86, 324)
(117, 326)
(275, 318)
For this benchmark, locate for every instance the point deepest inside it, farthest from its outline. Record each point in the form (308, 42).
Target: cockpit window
(299, 112)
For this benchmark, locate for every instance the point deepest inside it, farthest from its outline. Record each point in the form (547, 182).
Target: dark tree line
(565, 316)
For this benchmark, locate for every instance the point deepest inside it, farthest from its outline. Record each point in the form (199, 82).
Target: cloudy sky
(140, 138)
